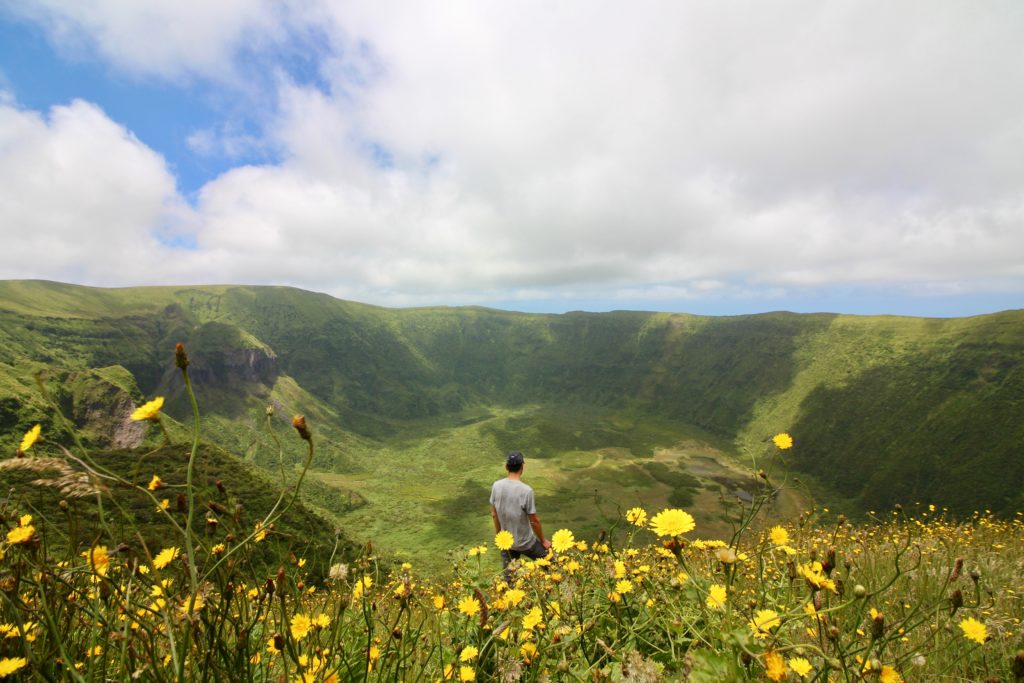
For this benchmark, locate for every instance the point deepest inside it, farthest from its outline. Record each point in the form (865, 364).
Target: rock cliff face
(233, 366)
(101, 404)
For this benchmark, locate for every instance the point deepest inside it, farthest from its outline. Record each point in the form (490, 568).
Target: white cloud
(472, 151)
(169, 38)
(80, 197)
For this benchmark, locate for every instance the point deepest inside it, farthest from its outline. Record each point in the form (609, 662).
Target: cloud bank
(480, 152)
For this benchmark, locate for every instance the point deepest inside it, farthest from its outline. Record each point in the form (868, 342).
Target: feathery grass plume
(70, 482)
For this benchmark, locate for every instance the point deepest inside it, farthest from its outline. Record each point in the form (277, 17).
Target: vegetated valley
(413, 409)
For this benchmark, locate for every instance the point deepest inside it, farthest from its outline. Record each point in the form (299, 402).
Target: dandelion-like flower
(672, 522)
(775, 666)
(98, 558)
(528, 651)
(562, 540)
(763, 622)
(889, 675)
(514, 596)
(468, 654)
(20, 534)
(466, 673)
(301, 625)
(974, 630)
(716, 596)
(154, 483)
(30, 438)
(469, 606)
(149, 411)
(783, 441)
(532, 619)
(164, 557)
(504, 540)
(624, 586)
(10, 665)
(637, 517)
(800, 666)
(779, 535)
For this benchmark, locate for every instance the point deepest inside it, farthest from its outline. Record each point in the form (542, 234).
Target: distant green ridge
(883, 409)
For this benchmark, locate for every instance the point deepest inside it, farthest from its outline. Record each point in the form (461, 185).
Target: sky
(709, 157)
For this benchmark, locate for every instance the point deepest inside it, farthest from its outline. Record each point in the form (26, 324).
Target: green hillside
(883, 409)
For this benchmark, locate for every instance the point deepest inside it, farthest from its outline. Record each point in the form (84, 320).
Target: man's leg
(536, 551)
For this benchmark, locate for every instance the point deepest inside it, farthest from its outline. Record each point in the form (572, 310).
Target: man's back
(514, 503)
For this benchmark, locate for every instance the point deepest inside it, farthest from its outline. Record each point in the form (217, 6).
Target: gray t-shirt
(514, 502)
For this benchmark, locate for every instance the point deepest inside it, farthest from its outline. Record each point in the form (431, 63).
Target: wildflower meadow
(910, 594)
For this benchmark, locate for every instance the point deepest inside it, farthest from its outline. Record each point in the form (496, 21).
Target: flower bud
(299, 422)
(180, 357)
(975, 575)
(877, 626)
(957, 568)
(859, 591)
(956, 601)
(278, 642)
(1018, 665)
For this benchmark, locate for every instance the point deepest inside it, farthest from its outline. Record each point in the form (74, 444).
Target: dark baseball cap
(514, 460)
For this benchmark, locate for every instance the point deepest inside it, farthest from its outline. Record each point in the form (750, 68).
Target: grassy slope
(249, 495)
(882, 408)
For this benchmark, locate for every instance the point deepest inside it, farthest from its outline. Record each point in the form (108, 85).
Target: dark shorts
(534, 552)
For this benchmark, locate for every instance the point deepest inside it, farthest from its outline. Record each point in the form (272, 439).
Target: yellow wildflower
(218, 549)
(261, 533)
(438, 602)
(321, 621)
(164, 557)
(20, 534)
(637, 517)
(528, 651)
(672, 522)
(779, 535)
(716, 596)
(532, 619)
(149, 411)
(974, 630)
(30, 438)
(301, 625)
(504, 540)
(468, 654)
(562, 540)
(889, 675)
(624, 586)
(469, 606)
(514, 596)
(466, 673)
(783, 441)
(99, 559)
(10, 665)
(763, 622)
(775, 666)
(800, 666)
(154, 483)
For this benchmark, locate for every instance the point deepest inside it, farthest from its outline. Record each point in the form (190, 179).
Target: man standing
(513, 510)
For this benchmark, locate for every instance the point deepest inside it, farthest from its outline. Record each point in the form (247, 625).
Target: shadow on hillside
(943, 430)
(713, 377)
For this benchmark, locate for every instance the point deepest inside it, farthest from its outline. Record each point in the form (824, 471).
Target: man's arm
(535, 525)
(497, 522)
